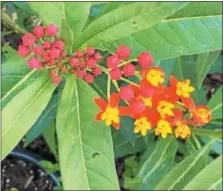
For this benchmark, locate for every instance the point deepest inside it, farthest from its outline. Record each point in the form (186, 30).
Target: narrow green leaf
(214, 133)
(67, 35)
(184, 171)
(203, 64)
(216, 104)
(85, 146)
(156, 166)
(126, 20)
(49, 136)
(43, 121)
(208, 178)
(76, 14)
(29, 102)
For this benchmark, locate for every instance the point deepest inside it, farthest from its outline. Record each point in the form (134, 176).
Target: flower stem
(126, 62)
(108, 87)
(8, 21)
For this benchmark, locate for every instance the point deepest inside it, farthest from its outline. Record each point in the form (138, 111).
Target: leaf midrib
(79, 130)
(26, 107)
(191, 165)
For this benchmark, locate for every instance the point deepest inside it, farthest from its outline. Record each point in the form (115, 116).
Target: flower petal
(114, 100)
(101, 103)
(173, 81)
(124, 111)
(189, 103)
(116, 125)
(98, 116)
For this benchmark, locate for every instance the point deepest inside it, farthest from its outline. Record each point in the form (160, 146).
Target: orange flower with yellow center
(165, 108)
(110, 112)
(183, 131)
(201, 114)
(163, 128)
(155, 76)
(181, 89)
(142, 125)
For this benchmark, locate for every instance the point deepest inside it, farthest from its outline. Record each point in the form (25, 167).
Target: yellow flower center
(142, 125)
(182, 131)
(163, 128)
(110, 115)
(184, 89)
(147, 101)
(155, 77)
(165, 108)
(202, 114)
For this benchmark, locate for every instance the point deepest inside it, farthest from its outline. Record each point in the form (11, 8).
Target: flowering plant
(126, 66)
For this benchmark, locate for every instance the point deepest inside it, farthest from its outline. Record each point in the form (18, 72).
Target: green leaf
(214, 133)
(216, 104)
(208, 178)
(175, 37)
(23, 110)
(184, 171)
(49, 12)
(67, 35)
(203, 64)
(198, 9)
(76, 14)
(43, 121)
(85, 146)
(49, 136)
(156, 166)
(217, 65)
(126, 20)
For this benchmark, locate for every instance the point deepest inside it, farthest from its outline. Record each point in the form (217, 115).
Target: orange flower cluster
(153, 105)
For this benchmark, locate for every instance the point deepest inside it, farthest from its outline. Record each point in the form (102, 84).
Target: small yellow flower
(110, 115)
(163, 128)
(142, 125)
(147, 101)
(184, 89)
(165, 108)
(155, 77)
(182, 131)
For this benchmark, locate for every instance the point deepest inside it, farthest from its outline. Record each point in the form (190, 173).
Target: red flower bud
(38, 31)
(91, 63)
(81, 73)
(90, 51)
(64, 70)
(52, 30)
(115, 74)
(59, 44)
(63, 54)
(46, 56)
(23, 51)
(126, 93)
(137, 106)
(51, 63)
(34, 63)
(52, 73)
(82, 65)
(145, 60)
(73, 62)
(89, 78)
(38, 50)
(56, 79)
(28, 39)
(79, 54)
(55, 53)
(129, 70)
(97, 71)
(112, 61)
(47, 45)
(97, 56)
(123, 52)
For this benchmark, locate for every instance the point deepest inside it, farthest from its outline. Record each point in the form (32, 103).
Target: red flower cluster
(151, 104)
(44, 50)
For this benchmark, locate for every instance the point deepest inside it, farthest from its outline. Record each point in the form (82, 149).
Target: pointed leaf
(23, 110)
(85, 146)
(216, 104)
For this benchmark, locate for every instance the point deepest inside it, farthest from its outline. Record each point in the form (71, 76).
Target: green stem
(196, 141)
(8, 21)
(115, 84)
(126, 62)
(108, 87)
